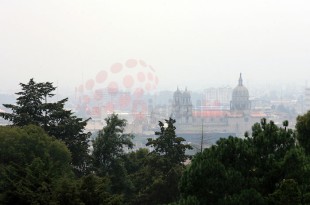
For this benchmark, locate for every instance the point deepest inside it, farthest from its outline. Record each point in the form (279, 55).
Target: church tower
(182, 106)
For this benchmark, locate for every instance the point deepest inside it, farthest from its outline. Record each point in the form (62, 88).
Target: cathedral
(182, 106)
(236, 118)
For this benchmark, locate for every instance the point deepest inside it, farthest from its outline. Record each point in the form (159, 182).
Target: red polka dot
(150, 76)
(116, 67)
(148, 86)
(109, 107)
(101, 76)
(131, 63)
(86, 99)
(98, 95)
(138, 93)
(128, 81)
(124, 100)
(141, 77)
(113, 88)
(90, 84)
(142, 63)
(96, 111)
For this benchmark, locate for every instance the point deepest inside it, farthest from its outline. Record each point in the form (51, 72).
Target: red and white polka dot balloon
(118, 87)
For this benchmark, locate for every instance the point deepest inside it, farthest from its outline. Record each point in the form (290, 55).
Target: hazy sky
(193, 43)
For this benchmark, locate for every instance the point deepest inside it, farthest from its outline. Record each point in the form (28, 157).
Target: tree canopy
(32, 107)
(268, 167)
(167, 144)
(31, 162)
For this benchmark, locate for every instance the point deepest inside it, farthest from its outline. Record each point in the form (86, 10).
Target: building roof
(240, 91)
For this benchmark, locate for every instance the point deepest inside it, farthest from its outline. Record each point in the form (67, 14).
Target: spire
(240, 80)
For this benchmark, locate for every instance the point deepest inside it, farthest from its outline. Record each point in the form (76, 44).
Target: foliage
(190, 200)
(109, 151)
(158, 178)
(32, 108)
(30, 162)
(288, 192)
(268, 166)
(303, 130)
(265, 168)
(70, 129)
(168, 145)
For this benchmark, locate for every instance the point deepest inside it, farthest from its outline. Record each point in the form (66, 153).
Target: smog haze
(188, 43)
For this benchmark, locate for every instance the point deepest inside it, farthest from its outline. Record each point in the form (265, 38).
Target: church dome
(240, 97)
(240, 92)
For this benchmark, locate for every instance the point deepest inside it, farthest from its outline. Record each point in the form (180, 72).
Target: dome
(240, 92)
(240, 97)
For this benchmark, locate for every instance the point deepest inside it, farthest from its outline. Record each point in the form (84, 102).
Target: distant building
(307, 99)
(235, 116)
(218, 96)
(182, 106)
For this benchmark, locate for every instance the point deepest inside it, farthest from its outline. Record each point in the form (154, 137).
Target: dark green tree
(168, 145)
(65, 126)
(270, 145)
(96, 190)
(163, 167)
(29, 108)
(303, 130)
(109, 151)
(32, 107)
(248, 170)
(30, 163)
(287, 193)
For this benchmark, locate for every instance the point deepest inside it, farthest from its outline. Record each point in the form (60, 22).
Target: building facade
(182, 107)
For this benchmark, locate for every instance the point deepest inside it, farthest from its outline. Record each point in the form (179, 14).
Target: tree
(29, 108)
(249, 170)
(303, 131)
(30, 163)
(32, 108)
(96, 190)
(109, 151)
(270, 145)
(168, 145)
(287, 193)
(158, 178)
(70, 129)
